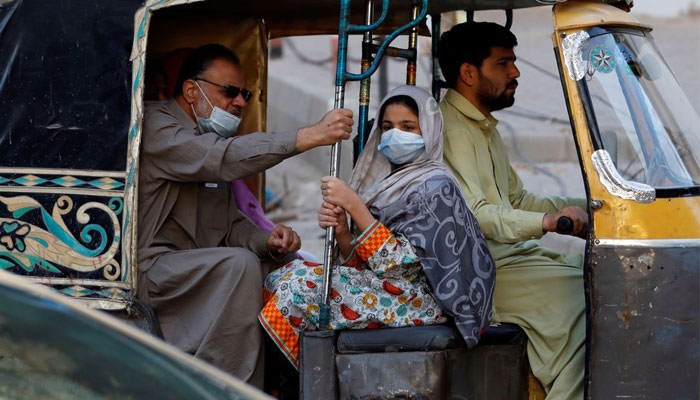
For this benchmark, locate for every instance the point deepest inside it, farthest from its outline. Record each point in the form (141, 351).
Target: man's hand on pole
(335, 126)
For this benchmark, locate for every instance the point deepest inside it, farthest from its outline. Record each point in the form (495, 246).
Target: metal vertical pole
(328, 256)
(341, 76)
(436, 18)
(412, 45)
(383, 78)
(364, 84)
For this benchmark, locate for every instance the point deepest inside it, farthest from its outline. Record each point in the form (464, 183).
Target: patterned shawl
(423, 202)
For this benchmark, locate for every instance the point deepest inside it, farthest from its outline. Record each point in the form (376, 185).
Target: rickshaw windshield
(643, 119)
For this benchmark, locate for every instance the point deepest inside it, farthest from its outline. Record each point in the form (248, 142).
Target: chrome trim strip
(693, 242)
(572, 47)
(105, 305)
(618, 186)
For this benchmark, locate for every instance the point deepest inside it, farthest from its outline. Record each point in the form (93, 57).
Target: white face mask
(220, 122)
(401, 147)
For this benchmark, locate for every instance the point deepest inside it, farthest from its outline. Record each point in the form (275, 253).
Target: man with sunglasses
(201, 262)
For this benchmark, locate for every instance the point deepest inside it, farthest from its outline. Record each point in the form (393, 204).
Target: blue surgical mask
(401, 147)
(220, 122)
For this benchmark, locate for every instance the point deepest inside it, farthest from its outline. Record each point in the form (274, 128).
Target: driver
(536, 288)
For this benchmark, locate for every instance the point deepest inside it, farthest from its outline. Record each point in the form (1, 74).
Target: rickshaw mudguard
(642, 273)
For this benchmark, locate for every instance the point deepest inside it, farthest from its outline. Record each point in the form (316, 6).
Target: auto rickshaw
(71, 104)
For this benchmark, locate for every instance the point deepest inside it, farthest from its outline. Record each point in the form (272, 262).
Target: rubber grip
(565, 225)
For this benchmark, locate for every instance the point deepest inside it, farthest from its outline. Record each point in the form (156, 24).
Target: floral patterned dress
(381, 285)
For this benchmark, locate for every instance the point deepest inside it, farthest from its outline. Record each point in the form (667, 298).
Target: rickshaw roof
(311, 17)
(67, 77)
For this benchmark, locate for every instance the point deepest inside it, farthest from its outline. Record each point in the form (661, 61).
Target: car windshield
(643, 119)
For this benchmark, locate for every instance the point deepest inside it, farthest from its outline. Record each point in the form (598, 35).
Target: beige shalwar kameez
(536, 288)
(199, 258)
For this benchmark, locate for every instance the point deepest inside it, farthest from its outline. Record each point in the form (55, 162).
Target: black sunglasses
(231, 91)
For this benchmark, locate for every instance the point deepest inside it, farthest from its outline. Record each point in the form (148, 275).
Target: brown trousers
(207, 302)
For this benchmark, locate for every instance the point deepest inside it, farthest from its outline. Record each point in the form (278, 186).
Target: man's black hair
(199, 61)
(470, 42)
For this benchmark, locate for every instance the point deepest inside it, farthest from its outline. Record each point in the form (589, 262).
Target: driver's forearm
(545, 204)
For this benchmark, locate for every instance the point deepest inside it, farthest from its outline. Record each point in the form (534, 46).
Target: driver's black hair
(199, 61)
(471, 43)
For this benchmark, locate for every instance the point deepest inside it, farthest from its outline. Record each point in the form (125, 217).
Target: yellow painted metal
(575, 14)
(666, 218)
(534, 390)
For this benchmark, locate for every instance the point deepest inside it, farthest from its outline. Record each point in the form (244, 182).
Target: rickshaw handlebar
(350, 28)
(565, 225)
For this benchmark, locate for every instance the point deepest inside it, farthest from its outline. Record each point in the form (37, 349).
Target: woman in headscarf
(418, 255)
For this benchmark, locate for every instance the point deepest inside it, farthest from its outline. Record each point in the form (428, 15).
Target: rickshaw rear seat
(428, 362)
(420, 338)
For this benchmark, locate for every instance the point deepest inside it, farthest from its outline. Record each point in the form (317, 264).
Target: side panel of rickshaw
(66, 173)
(71, 104)
(643, 256)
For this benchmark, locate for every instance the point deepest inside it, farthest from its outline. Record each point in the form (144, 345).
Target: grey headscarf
(371, 177)
(423, 202)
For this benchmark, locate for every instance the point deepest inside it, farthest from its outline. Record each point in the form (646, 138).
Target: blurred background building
(536, 129)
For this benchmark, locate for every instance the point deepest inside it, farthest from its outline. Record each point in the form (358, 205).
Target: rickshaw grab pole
(329, 245)
(342, 76)
(362, 117)
(412, 45)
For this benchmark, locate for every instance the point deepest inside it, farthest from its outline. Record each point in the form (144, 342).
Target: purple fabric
(249, 205)
(251, 208)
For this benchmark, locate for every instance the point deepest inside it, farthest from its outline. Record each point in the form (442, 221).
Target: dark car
(52, 348)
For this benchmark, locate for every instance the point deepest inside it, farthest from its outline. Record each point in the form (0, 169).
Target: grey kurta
(199, 257)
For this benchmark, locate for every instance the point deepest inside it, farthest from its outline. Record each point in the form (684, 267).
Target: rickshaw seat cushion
(502, 334)
(422, 338)
(410, 338)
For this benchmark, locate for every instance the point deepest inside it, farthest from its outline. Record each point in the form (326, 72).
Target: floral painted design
(381, 285)
(13, 234)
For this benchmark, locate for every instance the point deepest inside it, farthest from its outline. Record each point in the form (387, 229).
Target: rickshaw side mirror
(618, 186)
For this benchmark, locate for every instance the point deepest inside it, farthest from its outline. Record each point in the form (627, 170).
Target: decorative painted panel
(66, 230)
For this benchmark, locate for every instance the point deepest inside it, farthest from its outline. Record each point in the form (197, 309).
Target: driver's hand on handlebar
(577, 215)
(335, 126)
